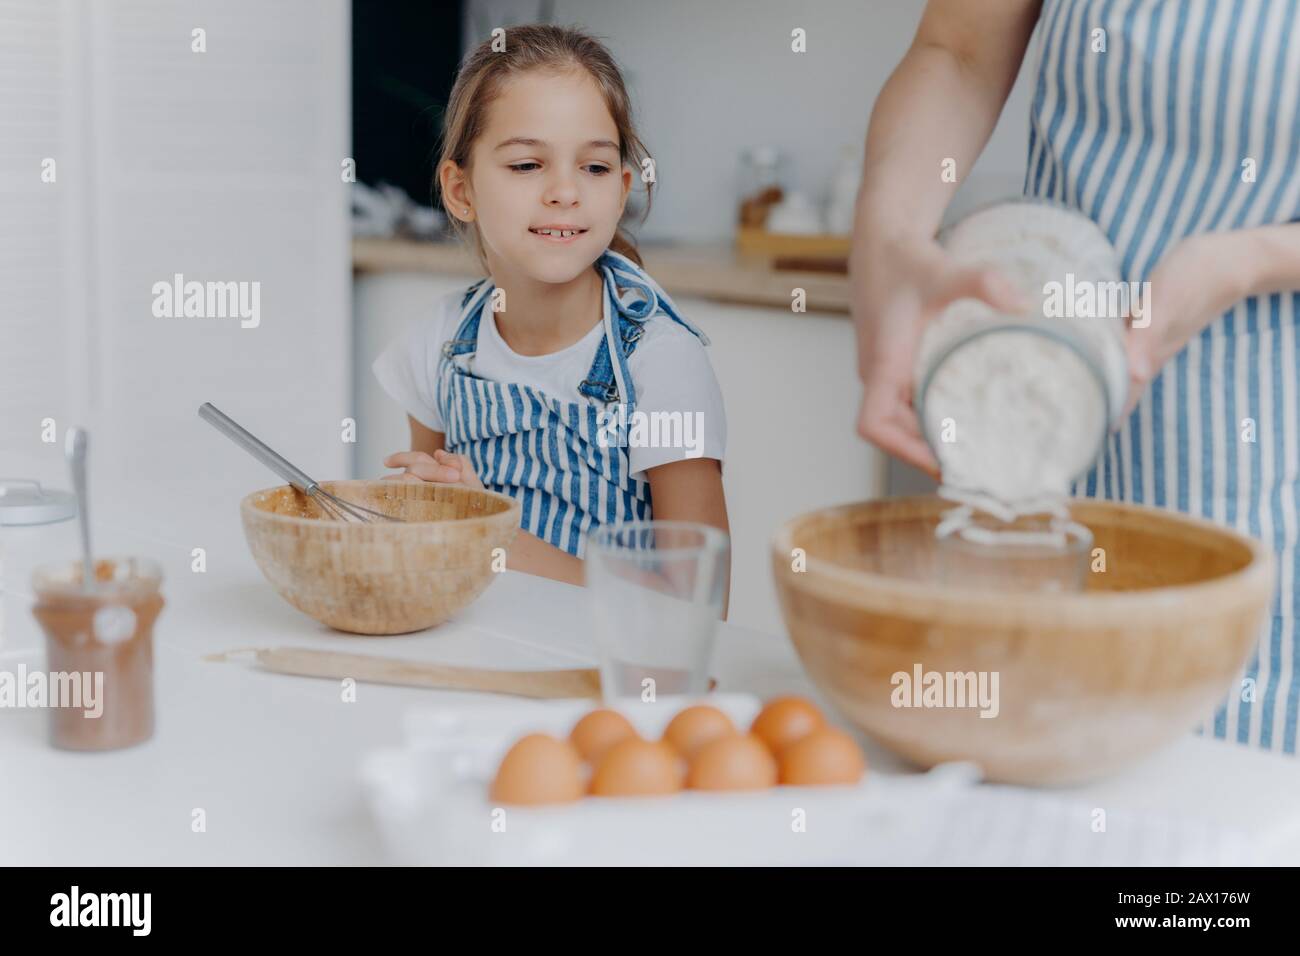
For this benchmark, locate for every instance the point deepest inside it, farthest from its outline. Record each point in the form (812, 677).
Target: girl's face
(546, 184)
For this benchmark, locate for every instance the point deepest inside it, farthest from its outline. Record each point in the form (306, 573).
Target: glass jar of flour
(1016, 407)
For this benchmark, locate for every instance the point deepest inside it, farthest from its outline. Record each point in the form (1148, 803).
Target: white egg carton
(430, 800)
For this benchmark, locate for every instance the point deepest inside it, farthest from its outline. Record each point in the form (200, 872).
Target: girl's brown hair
(536, 47)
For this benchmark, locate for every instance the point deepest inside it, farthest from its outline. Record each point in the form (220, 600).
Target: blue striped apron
(562, 460)
(1151, 139)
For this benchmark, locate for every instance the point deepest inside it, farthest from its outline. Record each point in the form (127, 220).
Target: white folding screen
(44, 366)
(199, 139)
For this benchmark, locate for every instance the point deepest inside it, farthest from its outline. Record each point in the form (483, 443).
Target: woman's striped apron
(1189, 122)
(566, 462)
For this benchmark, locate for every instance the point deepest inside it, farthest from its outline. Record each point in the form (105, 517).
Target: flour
(1018, 415)
(1017, 407)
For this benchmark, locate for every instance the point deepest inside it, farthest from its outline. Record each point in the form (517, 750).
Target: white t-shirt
(669, 368)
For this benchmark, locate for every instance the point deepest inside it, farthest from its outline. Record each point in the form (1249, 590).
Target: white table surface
(273, 760)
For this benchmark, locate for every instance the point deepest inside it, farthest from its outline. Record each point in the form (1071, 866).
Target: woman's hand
(936, 112)
(442, 466)
(1195, 282)
(897, 287)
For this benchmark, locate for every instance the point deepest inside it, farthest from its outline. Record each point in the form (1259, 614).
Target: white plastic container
(430, 799)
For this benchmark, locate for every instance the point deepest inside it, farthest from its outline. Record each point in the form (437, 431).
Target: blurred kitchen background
(231, 163)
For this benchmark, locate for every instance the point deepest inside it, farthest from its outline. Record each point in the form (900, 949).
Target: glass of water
(656, 590)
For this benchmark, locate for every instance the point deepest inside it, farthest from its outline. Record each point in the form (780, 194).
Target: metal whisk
(330, 504)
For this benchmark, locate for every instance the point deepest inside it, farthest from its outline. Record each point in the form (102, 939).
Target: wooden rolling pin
(580, 683)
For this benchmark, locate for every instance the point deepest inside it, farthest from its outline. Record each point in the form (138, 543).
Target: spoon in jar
(74, 448)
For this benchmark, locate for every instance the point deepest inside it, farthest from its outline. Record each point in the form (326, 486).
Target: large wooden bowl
(385, 577)
(1087, 682)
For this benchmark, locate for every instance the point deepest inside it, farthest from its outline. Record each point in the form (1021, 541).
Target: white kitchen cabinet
(384, 305)
(791, 392)
(791, 388)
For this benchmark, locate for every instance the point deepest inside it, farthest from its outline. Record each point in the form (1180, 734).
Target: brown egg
(637, 768)
(539, 769)
(599, 730)
(696, 726)
(825, 756)
(734, 762)
(783, 720)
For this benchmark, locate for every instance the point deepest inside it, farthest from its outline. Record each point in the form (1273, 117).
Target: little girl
(531, 381)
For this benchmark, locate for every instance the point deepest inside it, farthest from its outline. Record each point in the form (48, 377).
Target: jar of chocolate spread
(99, 641)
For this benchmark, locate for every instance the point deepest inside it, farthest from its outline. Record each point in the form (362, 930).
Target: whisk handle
(262, 452)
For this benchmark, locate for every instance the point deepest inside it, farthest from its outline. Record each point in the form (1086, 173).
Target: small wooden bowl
(384, 577)
(1087, 682)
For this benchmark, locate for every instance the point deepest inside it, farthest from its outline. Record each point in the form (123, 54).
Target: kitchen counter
(272, 760)
(711, 271)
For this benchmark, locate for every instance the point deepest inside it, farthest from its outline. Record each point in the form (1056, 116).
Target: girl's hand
(442, 466)
(1195, 282)
(897, 287)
